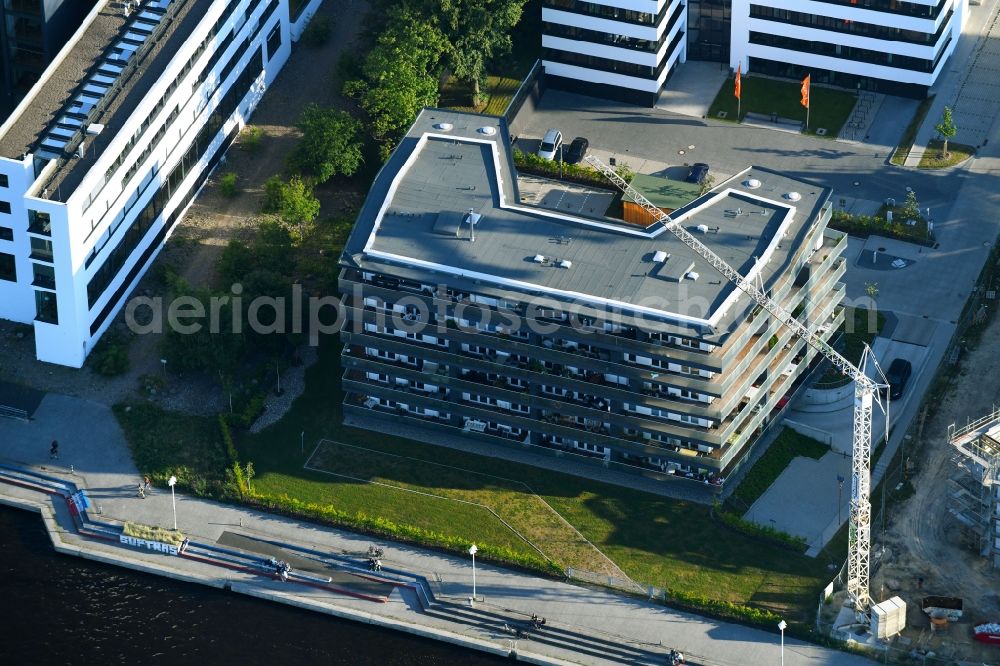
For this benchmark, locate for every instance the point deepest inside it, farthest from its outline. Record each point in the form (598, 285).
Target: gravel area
(293, 383)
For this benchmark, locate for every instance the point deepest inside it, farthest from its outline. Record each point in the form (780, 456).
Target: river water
(59, 609)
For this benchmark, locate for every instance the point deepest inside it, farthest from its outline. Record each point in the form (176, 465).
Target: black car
(897, 376)
(577, 150)
(697, 173)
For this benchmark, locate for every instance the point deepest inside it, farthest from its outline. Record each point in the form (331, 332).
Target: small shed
(667, 195)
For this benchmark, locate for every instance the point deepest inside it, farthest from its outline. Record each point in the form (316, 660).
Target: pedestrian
(54, 450)
(146, 483)
(142, 492)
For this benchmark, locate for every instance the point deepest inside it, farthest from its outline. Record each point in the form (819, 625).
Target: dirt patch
(924, 540)
(309, 76)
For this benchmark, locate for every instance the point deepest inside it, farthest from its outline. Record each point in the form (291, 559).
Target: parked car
(898, 374)
(577, 150)
(697, 173)
(549, 146)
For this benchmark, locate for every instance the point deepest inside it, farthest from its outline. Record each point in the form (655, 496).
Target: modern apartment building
(623, 50)
(626, 49)
(101, 159)
(471, 312)
(889, 46)
(33, 32)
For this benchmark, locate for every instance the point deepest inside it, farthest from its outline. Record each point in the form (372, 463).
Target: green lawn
(830, 108)
(654, 540)
(786, 447)
(933, 157)
(658, 541)
(166, 443)
(494, 96)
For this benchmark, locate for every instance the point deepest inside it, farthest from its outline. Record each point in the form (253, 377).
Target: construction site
(936, 543)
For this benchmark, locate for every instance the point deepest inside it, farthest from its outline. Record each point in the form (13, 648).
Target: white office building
(624, 50)
(627, 49)
(103, 156)
(888, 46)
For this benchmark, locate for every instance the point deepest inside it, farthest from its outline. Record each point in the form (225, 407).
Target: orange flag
(805, 90)
(736, 92)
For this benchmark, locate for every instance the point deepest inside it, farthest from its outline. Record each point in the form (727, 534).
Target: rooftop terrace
(416, 219)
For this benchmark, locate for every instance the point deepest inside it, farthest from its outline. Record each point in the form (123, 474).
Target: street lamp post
(472, 551)
(840, 490)
(172, 481)
(781, 626)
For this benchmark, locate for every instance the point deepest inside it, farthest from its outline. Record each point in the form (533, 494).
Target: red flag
(736, 92)
(805, 90)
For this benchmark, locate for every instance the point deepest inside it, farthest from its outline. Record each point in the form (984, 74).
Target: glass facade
(709, 29)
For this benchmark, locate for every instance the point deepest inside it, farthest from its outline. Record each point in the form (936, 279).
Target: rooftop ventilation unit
(444, 127)
(538, 259)
(703, 228)
(793, 196)
(691, 275)
(751, 183)
(488, 131)
(660, 256)
(565, 263)
(94, 129)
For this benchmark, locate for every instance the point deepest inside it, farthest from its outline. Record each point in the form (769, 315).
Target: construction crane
(866, 393)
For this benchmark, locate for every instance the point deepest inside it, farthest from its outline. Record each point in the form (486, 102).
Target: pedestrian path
(430, 591)
(972, 86)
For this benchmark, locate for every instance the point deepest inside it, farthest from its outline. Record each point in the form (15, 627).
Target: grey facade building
(472, 312)
(33, 33)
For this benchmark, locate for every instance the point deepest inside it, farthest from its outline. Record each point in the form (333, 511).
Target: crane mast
(865, 392)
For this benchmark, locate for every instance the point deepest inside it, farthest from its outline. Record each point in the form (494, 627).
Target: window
(39, 223)
(8, 269)
(44, 276)
(3, 180)
(46, 308)
(274, 40)
(5, 207)
(6, 233)
(41, 248)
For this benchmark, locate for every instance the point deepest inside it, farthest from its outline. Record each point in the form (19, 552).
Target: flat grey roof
(50, 99)
(436, 176)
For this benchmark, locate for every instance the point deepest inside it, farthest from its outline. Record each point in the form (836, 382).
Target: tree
(911, 208)
(476, 31)
(946, 128)
(293, 201)
(331, 143)
(400, 76)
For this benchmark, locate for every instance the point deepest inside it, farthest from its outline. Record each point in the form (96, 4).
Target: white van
(549, 146)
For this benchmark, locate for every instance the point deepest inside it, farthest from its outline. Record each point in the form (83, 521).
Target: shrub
(228, 186)
(783, 539)
(317, 32)
(110, 357)
(151, 384)
(150, 533)
(577, 173)
(250, 139)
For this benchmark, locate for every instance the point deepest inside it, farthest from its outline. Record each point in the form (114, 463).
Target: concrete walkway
(692, 88)
(586, 626)
(970, 86)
